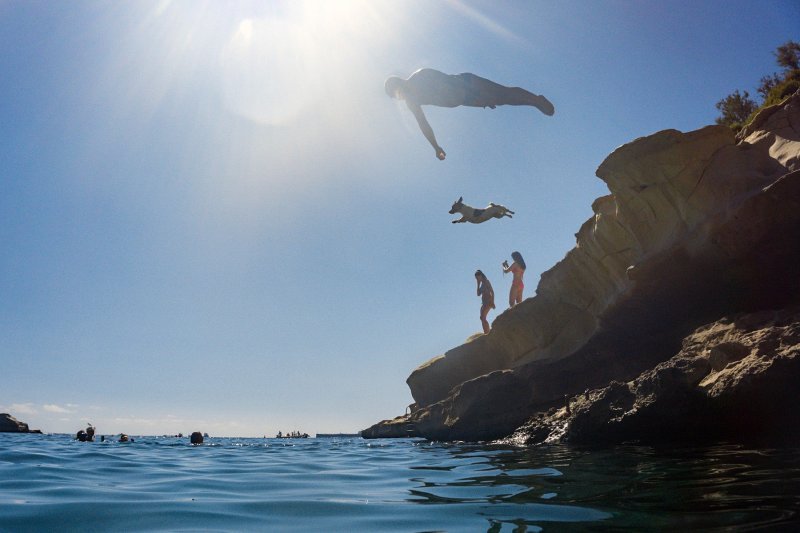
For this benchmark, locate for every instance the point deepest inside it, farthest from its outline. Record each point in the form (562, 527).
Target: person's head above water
(393, 85)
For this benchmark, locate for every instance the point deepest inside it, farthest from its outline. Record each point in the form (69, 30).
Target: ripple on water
(51, 482)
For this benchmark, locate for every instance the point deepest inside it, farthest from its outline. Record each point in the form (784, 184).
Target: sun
(277, 65)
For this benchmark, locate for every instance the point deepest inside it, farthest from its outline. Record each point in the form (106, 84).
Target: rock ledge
(9, 424)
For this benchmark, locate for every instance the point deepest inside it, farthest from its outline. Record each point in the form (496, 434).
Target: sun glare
(277, 66)
(258, 99)
(487, 22)
(266, 66)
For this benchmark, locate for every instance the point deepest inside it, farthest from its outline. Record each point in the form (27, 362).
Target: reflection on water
(54, 483)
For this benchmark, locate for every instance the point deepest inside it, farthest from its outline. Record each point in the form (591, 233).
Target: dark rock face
(9, 424)
(696, 228)
(734, 379)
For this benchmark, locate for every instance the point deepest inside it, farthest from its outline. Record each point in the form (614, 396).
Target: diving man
(431, 87)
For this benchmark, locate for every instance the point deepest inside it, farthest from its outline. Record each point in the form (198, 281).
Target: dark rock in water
(9, 424)
(398, 427)
(196, 438)
(697, 227)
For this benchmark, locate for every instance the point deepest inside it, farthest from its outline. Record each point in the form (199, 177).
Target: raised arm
(427, 131)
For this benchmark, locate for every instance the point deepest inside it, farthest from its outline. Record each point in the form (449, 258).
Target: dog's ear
(460, 199)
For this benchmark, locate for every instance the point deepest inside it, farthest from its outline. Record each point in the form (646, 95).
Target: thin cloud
(23, 408)
(53, 408)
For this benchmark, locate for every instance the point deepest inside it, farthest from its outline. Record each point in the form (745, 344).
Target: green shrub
(735, 109)
(739, 109)
(781, 91)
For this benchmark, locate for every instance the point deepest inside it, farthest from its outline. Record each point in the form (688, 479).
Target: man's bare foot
(543, 104)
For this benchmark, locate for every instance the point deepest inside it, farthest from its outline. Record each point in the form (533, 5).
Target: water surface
(53, 483)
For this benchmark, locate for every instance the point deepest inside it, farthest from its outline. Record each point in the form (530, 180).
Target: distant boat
(292, 435)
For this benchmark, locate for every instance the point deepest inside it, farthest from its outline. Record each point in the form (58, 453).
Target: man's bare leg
(486, 93)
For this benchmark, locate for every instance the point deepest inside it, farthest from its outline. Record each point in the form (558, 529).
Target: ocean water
(53, 483)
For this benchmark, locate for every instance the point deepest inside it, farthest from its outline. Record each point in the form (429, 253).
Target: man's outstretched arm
(427, 131)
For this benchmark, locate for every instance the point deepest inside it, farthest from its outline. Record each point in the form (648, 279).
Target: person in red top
(517, 268)
(431, 87)
(486, 293)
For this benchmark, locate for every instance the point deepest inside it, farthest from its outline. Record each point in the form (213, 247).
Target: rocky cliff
(733, 379)
(697, 226)
(9, 424)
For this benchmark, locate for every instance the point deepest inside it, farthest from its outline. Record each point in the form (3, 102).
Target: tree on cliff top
(788, 55)
(737, 109)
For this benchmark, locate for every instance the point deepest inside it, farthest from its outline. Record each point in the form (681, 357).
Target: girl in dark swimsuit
(486, 293)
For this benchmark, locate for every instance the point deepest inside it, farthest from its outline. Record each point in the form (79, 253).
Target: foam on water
(53, 483)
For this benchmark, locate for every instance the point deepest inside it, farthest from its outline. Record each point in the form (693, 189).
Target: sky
(212, 217)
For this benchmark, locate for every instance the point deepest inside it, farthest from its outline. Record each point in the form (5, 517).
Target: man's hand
(440, 153)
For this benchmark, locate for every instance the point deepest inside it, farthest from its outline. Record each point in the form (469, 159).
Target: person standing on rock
(431, 87)
(517, 268)
(486, 293)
